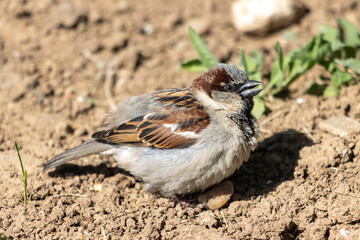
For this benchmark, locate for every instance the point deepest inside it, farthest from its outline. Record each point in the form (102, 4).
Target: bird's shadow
(71, 170)
(272, 163)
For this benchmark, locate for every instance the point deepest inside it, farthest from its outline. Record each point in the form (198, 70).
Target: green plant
(206, 59)
(328, 49)
(24, 172)
(331, 49)
(2, 237)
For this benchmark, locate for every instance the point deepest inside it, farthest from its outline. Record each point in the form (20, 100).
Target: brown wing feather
(178, 98)
(152, 129)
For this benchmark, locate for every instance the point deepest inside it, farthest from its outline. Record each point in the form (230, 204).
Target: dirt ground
(51, 54)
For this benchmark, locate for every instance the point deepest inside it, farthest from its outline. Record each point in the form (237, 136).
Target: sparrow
(182, 140)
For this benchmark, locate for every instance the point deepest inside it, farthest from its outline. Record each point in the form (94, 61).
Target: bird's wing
(176, 122)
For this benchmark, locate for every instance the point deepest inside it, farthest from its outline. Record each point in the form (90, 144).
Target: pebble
(299, 101)
(217, 196)
(207, 220)
(260, 17)
(341, 125)
(97, 187)
(147, 28)
(345, 232)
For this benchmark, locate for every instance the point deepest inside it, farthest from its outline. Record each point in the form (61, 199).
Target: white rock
(342, 126)
(299, 100)
(148, 28)
(259, 17)
(345, 232)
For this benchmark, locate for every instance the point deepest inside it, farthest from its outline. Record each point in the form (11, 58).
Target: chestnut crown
(227, 79)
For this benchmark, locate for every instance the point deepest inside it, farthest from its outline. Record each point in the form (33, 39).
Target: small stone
(260, 17)
(345, 232)
(130, 223)
(299, 100)
(147, 28)
(217, 196)
(207, 220)
(341, 126)
(97, 187)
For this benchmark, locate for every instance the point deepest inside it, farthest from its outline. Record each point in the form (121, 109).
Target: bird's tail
(85, 149)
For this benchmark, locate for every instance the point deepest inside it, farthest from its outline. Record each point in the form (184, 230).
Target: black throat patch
(245, 121)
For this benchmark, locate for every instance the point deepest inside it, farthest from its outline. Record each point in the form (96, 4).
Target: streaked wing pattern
(176, 126)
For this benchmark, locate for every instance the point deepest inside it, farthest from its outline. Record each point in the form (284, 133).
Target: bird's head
(225, 87)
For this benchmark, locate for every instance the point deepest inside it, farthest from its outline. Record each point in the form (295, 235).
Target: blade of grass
(279, 52)
(194, 65)
(206, 57)
(24, 172)
(243, 61)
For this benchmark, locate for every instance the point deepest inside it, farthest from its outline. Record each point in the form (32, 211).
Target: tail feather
(85, 149)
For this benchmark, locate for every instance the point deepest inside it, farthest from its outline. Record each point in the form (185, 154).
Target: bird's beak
(246, 90)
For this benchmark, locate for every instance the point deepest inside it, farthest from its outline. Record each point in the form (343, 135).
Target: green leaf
(319, 49)
(351, 63)
(206, 56)
(276, 77)
(194, 65)
(243, 63)
(249, 64)
(331, 66)
(258, 57)
(340, 77)
(252, 65)
(332, 35)
(2, 237)
(278, 70)
(300, 67)
(351, 34)
(314, 50)
(259, 107)
(331, 91)
(256, 76)
(279, 52)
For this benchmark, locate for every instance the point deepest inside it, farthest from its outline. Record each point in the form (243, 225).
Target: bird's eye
(229, 87)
